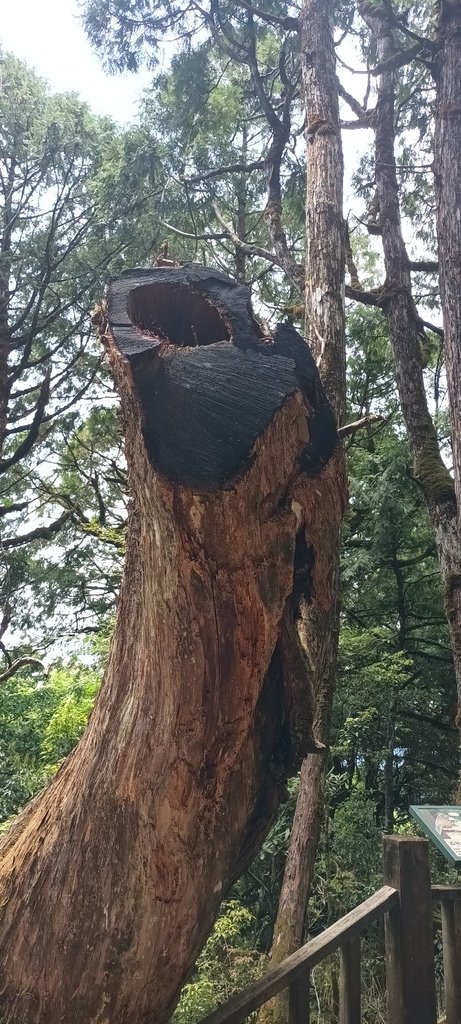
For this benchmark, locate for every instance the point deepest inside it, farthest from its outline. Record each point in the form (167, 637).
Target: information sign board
(443, 826)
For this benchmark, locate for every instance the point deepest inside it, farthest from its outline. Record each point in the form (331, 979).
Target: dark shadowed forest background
(214, 171)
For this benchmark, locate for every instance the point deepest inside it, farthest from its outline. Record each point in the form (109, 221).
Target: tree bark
(447, 165)
(325, 330)
(407, 335)
(111, 878)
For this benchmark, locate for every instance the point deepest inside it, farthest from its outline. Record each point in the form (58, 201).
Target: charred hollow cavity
(176, 314)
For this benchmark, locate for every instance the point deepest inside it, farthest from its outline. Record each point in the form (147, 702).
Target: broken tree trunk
(111, 878)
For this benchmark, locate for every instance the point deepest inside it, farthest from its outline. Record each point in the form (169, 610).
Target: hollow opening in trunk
(177, 314)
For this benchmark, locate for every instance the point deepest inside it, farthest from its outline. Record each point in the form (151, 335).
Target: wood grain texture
(111, 879)
(350, 1010)
(410, 972)
(451, 957)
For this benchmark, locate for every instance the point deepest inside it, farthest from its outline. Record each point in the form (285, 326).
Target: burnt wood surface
(110, 880)
(209, 381)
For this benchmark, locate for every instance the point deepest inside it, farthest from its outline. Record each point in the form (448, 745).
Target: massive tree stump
(111, 878)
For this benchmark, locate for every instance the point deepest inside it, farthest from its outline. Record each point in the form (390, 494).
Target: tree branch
(354, 104)
(426, 266)
(248, 247)
(238, 168)
(380, 297)
(288, 23)
(211, 236)
(28, 442)
(20, 663)
(17, 506)
(40, 533)
(365, 421)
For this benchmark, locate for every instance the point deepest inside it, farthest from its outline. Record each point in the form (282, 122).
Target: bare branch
(354, 104)
(402, 57)
(365, 421)
(238, 168)
(20, 663)
(251, 250)
(380, 297)
(208, 237)
(289, 24)
(17, 506)
(426, 266)
(353, 273)
(28, 442)
(40, 533)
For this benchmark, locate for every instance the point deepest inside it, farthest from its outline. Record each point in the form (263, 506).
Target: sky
(48, 36)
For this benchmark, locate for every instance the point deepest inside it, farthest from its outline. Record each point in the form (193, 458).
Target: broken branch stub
(111, 879)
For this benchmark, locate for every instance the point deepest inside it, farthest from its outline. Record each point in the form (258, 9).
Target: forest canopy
(220, 170)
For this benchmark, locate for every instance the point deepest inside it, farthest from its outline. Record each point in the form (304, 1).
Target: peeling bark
(111, 878)
(325, 236)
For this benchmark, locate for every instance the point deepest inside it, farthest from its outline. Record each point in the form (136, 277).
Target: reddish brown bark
(111, 878)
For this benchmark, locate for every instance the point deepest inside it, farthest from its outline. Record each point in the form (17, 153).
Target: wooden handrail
(304, 959)
(444, 893)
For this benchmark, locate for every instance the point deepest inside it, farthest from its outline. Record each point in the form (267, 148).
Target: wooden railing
(293, 973)
(449, 898)
(405, 903)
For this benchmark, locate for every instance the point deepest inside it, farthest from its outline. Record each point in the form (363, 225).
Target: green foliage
(72, 191)
(40, 723)
(75, 690)
(227, 964)
(100, 200)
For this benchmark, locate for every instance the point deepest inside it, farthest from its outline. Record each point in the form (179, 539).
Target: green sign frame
(442, 825)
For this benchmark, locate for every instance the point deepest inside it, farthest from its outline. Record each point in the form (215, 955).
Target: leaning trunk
(326, 334)
(110, 879)
(408, 342)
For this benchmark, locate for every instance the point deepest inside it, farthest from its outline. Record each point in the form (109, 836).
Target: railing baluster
(410, 974)
(350, 1011)
(452, 981)
(298, 1000)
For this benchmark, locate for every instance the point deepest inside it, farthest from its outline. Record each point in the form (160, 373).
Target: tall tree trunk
(448, 187)
(241, 211)
(111, 878)
(6, 220)
(325, 330)
(407, 340)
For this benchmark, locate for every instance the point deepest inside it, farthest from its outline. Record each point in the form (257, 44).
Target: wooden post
(349, 983)
(451, 963)
(408, 933)
(298, 1000)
